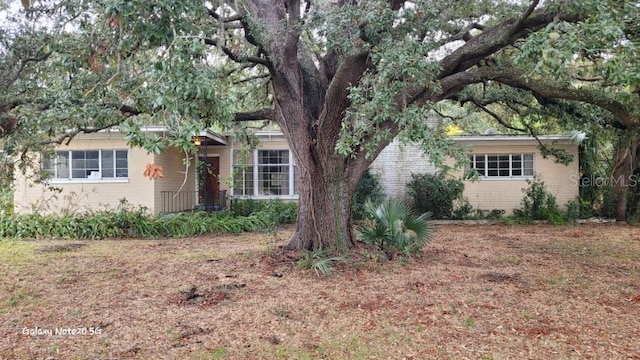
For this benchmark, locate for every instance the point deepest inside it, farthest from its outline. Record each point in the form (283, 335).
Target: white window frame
(97, 180)
(474, 156)
(293, 193)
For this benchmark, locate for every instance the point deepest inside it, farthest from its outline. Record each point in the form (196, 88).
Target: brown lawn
(477, 292)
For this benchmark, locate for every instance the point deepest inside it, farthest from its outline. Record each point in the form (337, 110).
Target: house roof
(204, 137)
(207, 137)
(517, 139)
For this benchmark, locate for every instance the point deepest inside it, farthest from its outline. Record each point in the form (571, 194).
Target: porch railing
(177, 201)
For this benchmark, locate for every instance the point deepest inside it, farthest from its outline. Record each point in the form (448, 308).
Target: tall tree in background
(342, 78)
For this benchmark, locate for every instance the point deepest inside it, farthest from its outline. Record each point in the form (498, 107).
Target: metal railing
(178, 201)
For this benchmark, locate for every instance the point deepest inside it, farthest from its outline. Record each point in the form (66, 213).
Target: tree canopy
(341, 78)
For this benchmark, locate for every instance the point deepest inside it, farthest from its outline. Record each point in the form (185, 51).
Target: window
(273, 172)
(502, 165)
(264, 173)
(88, 164)
(243, 173)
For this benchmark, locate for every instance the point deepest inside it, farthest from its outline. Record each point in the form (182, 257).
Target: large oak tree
(340, 78)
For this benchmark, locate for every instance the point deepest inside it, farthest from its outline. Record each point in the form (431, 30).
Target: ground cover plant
(131, 222)
(475, 292)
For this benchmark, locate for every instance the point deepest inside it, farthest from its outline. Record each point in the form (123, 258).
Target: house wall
(396, 163)
(507, 194)
(177, 177)
(88, 195)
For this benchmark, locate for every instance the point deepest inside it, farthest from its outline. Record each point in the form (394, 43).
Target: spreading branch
(23, 64)
(262, 114)
(497, 37)
(69, 135)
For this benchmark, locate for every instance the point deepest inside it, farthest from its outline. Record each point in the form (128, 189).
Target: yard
(477, 292)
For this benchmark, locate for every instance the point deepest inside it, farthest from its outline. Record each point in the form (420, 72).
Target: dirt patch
(60, 248)
(476, 292)
(500, 277)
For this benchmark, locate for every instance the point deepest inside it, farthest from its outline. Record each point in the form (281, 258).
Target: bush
(393, 226)
(245, 207)
(280, 212)
(573, 211)
(464, 211)
(277, 212)
(368, 189)
(538, 204)
(436, 193)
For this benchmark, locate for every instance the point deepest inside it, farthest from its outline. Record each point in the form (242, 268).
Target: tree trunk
(327, 183)
(324, 209)
(625, 162)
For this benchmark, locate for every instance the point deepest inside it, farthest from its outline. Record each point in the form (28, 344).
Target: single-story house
(99, 170)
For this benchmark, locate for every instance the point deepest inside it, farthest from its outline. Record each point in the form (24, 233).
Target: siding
(489, 194)
(175, 174)
(79, 197)
(396, 163)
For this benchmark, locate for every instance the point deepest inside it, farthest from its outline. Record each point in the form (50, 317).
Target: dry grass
(478, 292)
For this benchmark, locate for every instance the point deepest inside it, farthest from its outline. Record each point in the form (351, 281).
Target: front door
(209, 181)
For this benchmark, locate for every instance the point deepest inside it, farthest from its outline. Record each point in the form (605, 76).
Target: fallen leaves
(215, 295)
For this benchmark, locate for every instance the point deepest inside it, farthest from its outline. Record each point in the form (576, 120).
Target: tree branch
(525, 16)
(23, 64)
(227, 19)
(261, 114)
(68, 136)
(251, 78)
(463, 34)
(496, 38)
(497, 117)
(233, 56)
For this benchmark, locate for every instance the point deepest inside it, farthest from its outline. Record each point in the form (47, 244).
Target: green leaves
(392, 225)
(126, 222)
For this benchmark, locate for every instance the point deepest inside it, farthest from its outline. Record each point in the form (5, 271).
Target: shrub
(538, 204)
(573, 211)
(393, 226)
(245, 207)
(280, 212)
(435, 193)
(276, 212)
(368, 189)
(464, 211)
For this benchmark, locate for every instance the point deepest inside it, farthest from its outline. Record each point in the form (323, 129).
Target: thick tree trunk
(324, 210)
(326, 186)
(309, 111)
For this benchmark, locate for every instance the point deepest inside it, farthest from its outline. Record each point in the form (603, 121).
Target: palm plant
(393, 225)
